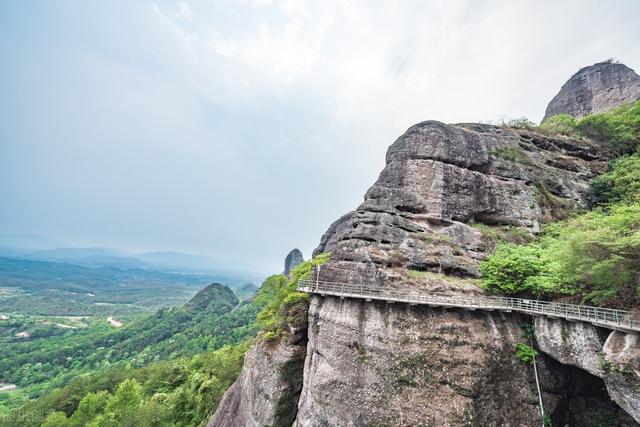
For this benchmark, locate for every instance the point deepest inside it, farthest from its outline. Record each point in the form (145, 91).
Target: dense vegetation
(180, 392)
(619, 128)
(209, 321)
(593, 256)
(283, 304)
(169, 369)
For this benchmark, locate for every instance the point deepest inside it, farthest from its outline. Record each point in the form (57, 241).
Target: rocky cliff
(612, 356)
(596, 89)
(445, 196)
(293, 259)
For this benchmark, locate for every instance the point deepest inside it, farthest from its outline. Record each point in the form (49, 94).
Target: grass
(512, 154)
(618, 128)
(429, 276)
(504, 233)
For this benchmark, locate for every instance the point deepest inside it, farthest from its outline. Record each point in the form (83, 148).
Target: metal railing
(605, 317)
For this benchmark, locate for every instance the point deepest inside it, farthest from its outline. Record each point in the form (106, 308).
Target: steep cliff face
(441, 180)
(266, 392)
(595, 89)
(613, 356)
(369, 363)
(431, 216)
(377, 364)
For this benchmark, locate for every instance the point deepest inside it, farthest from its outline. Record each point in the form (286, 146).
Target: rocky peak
(293, 259)
(425, 224)
(440, 182)
(595, 89)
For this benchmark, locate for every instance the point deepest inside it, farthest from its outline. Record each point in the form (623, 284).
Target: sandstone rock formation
(434, 212)
(376, 364)
(439, 182)
(612, 356)
(266, 392)
(293, 259)
(594, 89)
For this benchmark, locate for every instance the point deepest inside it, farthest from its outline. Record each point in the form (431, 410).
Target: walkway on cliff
(604, 317)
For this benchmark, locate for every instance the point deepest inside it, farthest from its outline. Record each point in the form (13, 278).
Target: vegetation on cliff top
(594, 255)
(619, 128)
(284, 306)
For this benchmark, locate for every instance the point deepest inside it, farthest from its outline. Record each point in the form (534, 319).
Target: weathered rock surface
(612, 356)
(571, 343)
(441, 179)
(292, 260)
(376, 364)
(622, 355)
(595, 89)
(266, 392)
(423, 225)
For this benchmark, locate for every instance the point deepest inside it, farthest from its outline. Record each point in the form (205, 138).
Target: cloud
(184, 11)
(241, 129)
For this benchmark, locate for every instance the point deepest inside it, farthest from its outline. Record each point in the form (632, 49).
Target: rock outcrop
(611, 356)
(293, 259)
(433, 214)
(376, 364)
(439, 182)
(595, 89)
(266, 392)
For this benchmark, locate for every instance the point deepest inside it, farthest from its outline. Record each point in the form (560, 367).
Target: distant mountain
(28, 242)
(41, 248)
(177, 260)
(88, 257)
(215, 298)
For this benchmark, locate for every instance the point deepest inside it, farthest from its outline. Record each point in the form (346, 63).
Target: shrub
(563, 124)
(283, 304)
(595, 255)
(621, 183)
(526, 353)
(520, 123)
(619, 128)
(517, 269)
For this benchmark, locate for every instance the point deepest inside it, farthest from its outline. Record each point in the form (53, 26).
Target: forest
(168, 368)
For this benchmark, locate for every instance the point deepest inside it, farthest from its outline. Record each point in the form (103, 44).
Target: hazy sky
(242, 129)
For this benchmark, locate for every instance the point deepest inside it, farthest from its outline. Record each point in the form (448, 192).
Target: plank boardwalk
(604, 317)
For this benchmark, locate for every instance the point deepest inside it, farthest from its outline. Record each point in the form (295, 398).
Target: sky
(242, 129)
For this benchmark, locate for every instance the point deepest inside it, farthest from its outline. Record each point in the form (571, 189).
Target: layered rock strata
(596, 89)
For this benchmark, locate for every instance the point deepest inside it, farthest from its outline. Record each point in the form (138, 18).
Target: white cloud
(243, 128)
(184, 11)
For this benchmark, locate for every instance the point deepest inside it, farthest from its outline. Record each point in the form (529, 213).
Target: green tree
(89, 408)
(56, 419)
(620, 184)
(517, 269)
(121, 408)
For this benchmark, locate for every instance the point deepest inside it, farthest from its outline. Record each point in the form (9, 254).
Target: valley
(60, 320)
